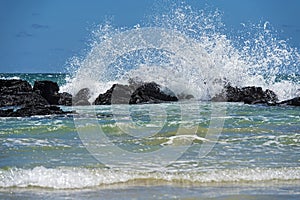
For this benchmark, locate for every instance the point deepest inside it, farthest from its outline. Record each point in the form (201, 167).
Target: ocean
(254, 154)
(190, 149)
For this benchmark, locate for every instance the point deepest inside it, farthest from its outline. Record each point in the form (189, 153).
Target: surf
(188, 51)
(80, 178)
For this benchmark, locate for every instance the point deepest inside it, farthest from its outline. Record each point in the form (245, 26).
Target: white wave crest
(187, 51)
(78, 177)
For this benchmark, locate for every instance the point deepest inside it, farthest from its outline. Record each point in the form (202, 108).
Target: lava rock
(6, 112)
(183, 96)
(22, 99)
(32, 110)
(19, 99)
(14, 86)
(291, 102)
(48, 90)
(135, 93)
(248, 95)
(82, 97)
(229, 94)
(18, 93)
(150, 93)
(117, 94)
(65, 99)
(254, 95)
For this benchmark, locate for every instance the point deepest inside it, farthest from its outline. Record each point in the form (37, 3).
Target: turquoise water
(253, 155)
(60, 78)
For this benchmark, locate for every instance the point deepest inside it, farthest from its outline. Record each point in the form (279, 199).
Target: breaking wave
(189, 51)
(78, 177)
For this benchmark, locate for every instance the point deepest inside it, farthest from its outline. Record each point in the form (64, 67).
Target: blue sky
(41, 35)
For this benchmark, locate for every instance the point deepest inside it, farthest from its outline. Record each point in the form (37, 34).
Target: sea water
(256, 154)
(191, 149)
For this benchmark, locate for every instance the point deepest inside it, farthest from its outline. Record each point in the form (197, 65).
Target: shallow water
(222, 192)
(256, 154)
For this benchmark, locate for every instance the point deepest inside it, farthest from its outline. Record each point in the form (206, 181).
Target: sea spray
(188, 51)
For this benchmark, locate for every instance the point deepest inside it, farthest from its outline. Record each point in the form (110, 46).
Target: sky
(41, 35)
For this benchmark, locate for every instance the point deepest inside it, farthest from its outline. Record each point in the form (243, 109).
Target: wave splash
(187, 51)
(78, 177)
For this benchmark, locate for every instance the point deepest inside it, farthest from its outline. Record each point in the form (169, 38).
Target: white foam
(182, 139)
(77, 177)
(31, 142)
(192, 55)
(11, 78)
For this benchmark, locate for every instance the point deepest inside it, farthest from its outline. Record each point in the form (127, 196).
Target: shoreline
(280, 191)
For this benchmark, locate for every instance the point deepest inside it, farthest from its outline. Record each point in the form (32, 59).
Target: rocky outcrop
(134, 94)
(117, 94)
(22, 99)
(82, 97)
(18, 93)
(253, 95)
(48, 90)
(32, 110)
(248, 95)
(151, 93)
(19, 99)
(65, 99)
(14, 86)
(291, 102)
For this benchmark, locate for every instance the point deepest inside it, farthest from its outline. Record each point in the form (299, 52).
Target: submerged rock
(135, 93)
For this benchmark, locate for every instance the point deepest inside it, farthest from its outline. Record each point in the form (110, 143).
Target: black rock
(65, 99)
(18, 99)
(6, 112)
(229, 94)
(150, 93)
(117, 94)
(183, 96)
(19, 93)
(291, 102)
(22, 99)
(248, 95)
(134, 94)
(14, 86)
(254, 95)
(31, 110)
(48, 90)
(82, 98)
